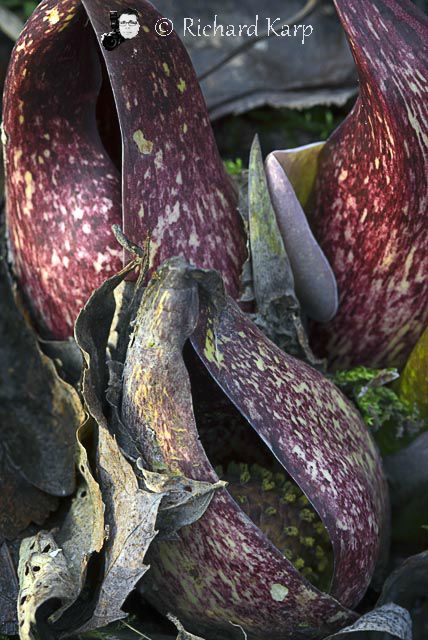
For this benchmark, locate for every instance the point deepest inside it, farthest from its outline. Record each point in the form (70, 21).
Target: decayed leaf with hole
(64, 168)
(62, 556)
(223, 568)
(82, 532)
(372, 190)
(45, 580)
(78, 575)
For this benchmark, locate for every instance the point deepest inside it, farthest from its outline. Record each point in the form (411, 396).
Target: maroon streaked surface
(311, 428)
(174, 184)
(63, 189)
(372, 190)
(63, 192)
(223, 568)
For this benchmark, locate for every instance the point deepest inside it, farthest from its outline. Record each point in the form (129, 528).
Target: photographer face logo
(124, 26)
(128, 25)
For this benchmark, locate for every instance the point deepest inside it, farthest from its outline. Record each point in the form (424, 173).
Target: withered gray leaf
(45, 583)
(184, 500)
(389, 620)
(63, 556)
(131, 512)
(130, 517)
(407, 586)
(66, 356)
(182, 633)
(57, 604)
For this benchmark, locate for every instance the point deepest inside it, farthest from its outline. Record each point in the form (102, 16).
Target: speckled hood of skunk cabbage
(224, 568)
(66, 179)
(365, 190)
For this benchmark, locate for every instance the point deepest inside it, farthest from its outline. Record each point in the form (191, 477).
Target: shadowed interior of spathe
(257, 481)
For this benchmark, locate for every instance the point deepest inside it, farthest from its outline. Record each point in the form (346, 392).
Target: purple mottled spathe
(372, 191)
(63, 192)
(61, 139)
(223, 567)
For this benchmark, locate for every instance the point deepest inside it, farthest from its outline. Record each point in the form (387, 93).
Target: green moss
(234, 167)
(393, 421)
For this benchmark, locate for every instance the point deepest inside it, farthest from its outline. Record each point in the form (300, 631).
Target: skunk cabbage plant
(95, 137)
(66, 115)
(252, 557)
(365, 190)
